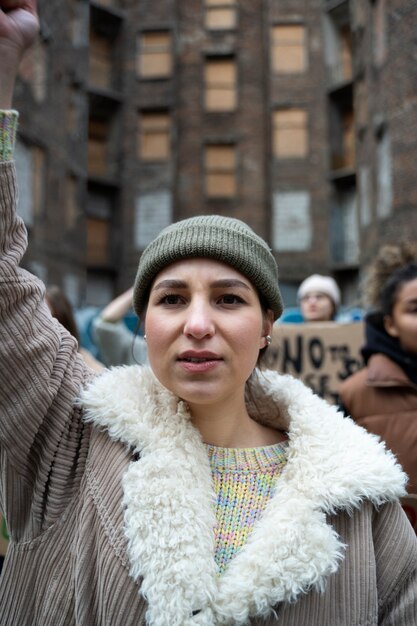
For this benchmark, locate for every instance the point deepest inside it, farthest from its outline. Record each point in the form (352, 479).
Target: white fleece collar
(168, 496)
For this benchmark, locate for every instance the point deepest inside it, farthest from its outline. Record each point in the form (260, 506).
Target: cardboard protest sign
(322, 354)
(409, 504)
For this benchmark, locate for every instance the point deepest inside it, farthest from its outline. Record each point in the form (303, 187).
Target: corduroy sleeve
(41, 374)
(396, 567)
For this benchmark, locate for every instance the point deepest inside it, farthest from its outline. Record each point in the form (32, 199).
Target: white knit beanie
(320, 284)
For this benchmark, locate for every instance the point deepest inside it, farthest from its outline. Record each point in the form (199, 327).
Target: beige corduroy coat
(108, 499)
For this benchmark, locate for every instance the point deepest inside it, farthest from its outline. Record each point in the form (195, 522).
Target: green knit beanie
(215, 237)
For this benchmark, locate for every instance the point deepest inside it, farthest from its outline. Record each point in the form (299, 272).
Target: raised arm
(117, 308)
(41, 372)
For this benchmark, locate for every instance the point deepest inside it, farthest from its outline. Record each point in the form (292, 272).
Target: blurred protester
(61, 309)
(117, 344)
(383, 396)
(319, 298)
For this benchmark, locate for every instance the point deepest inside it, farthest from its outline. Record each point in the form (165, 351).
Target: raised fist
(18, 26)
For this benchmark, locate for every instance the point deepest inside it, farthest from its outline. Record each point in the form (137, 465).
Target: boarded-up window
(220, 85)
(154, 135)
(98, 240)
(220, 171)
(343, 140)
(221, 14)
(98, 132)
(101, 61)
(346, 52)
(288, 49)
(290, 133)
(155, 55)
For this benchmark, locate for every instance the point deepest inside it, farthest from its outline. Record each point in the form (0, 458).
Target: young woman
(319, 298)
(196, 492)
(383, 396)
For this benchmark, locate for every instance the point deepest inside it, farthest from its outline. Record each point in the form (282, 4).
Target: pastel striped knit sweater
(8, 129)
(244, 480)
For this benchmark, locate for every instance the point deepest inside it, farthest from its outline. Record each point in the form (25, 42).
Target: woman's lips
(193, 361)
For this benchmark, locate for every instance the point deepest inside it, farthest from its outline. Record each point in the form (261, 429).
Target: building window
(344, 240)
(290, 133)
(342, 137)
(154, 136)
(292, 229)
(288, 49)
(100, 205)
(101, 61)
(220, 171)
(221, 14)
(153, 212)
(97, 149)
(220, 84)
(98, 241)
(155, 55)
(338, 45)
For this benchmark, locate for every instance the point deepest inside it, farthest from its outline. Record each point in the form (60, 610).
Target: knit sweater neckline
(247, 459)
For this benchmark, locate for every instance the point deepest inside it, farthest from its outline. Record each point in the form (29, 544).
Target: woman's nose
(199, 320)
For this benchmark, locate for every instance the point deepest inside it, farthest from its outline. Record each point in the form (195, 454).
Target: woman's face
(402, 324)
(204, 327)
(317, 307)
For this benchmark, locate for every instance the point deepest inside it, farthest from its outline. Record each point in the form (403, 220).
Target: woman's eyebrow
(227, 283)
(170, 284)
(224, 283)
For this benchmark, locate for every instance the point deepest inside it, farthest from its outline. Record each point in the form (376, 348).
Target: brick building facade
(293, 116)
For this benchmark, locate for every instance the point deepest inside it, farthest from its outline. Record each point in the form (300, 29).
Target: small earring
(268, 340)
(144, 336)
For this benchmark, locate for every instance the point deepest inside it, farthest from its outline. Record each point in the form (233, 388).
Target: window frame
(161, 49)
(213, 6)
(156, 130)
(274, 45)
(220, 170)
(225, 87)
(275, 128)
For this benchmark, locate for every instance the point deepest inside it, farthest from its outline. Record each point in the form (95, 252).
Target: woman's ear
(390, 326)
(268, 322)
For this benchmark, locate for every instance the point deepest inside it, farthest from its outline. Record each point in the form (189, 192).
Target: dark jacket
(383, 396)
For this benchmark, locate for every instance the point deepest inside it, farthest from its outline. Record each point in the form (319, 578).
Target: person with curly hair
(382, 397)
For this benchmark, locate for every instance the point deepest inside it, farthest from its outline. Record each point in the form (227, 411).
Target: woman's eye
(230, 298)
(170, 299)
